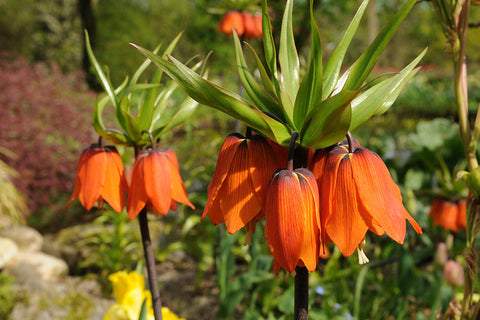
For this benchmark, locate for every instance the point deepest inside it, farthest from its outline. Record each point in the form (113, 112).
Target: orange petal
(380, 196)
(285, 219)
(158, 181)
(179, 193)
(137, 196)
(227, 152)
(344, 224)
(93, 179)
(238, 200)
(262, 165)
(115, 184)
(447, 216)
(311, 240)
(78, 178)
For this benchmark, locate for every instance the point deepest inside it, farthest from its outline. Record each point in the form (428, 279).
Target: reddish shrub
(45, 119)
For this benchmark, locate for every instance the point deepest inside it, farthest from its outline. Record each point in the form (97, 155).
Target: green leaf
(362, 67)
(210, 94)
(332, 67)
(143, 310)
(100, 74)
(131, 125)
(328, 122)
(379, 98)
(310, 91)
(143, 67)
(257, 94)
(268, 42)
(266, 81)
(184, 112)
(288, 59)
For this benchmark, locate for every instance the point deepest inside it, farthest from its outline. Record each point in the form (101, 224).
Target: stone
(36, 270)
(8, 249)
(26, 238)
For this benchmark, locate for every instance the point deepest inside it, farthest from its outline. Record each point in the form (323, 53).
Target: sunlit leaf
(333, 65)
(266, 81)
(268, 43)
(329, 121)
(288, 59)
(310, 91)
(362, 67)
(210, 94)
(257, 94)
(377, 99)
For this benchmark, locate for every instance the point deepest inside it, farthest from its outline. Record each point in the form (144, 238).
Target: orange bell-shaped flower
(232, 20)
(253, 25)
(100, 177)
(358, 194)
(156, 182)
(292, 224)
(239, 184)
(449, 215)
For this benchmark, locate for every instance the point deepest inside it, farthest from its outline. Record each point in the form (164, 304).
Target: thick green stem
(150, 260)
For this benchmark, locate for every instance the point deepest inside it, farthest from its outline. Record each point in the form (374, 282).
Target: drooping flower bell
(156, 182)
(292, 224)
(449, 215)
(358, 194)
(100, 177)
(232, 20)
(239, 184)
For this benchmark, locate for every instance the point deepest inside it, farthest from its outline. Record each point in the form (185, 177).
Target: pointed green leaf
(210, 94)
(310, 91)
(377, 99)
(268, 43)
(266, 81)
(143, 67)
(100, 74)
(143, 310)
(257, 94)
(184, 112)
(362, 67)
(131, 125)
(334, 63)
(287, 56)
(328, 122)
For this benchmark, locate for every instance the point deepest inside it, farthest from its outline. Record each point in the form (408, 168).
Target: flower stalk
(150, 261)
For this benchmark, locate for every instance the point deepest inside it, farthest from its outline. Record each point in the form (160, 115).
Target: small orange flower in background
(232, 20)
(244, 23)
(239, 184)
(156, 182)
(100, 177)
(358, 194)
(449, 215)
(292, 224)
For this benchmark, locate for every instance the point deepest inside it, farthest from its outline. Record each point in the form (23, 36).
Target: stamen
(362, 257)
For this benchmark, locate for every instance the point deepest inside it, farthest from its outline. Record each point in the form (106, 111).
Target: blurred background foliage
(47, 94)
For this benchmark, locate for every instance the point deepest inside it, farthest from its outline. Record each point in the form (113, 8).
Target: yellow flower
(129, 291)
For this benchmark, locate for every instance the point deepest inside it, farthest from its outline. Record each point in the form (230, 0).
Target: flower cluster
(156, 182)
(245, 24)
(129, 291)
(448, 214)
(346, 191)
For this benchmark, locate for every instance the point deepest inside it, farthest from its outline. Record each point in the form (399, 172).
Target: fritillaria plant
(141, 113)
(302, 123)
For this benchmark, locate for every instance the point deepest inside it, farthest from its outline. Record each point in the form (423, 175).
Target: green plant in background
(454, 19)
(12, 201)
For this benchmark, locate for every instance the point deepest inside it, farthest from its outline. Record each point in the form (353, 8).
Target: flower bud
(453, 273)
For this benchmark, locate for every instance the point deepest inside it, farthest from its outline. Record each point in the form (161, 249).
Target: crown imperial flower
(156, 182)
(100, 177)
(292, 220)
(239, 184)
(358, 194)
(450, 215)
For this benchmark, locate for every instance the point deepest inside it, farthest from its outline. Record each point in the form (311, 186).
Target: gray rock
(26, 238)
(36, 269)
(8, 249)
